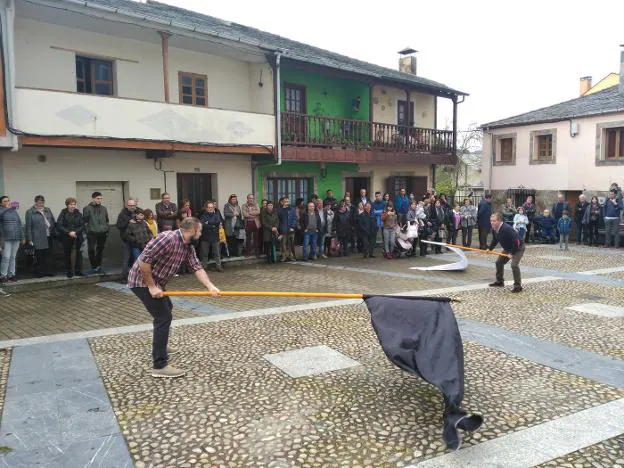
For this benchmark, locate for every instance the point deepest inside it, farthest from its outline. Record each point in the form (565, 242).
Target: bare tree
(469, 144)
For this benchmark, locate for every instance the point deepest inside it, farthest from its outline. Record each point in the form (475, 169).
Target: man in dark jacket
(126, 216)
(367, 230)
(138, 234)
(581, 207)
(70, 226)
(96, 226)
(166, 213)
(211, 220)
(513, 248)
(483, 220)
(287, 219)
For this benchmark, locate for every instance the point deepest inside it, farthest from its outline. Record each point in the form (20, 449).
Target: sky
(510, 57)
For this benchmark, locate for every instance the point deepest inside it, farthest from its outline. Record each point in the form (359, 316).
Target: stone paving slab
(609, 453)
(5, 359)
(70, 309)
(540, 311)
(236, 409)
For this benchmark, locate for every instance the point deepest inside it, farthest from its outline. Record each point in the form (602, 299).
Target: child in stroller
(545, 228)
(406, 237)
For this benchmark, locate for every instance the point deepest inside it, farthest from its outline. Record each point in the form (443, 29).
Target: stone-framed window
(610, 144)
(543, 147)
(505, 149)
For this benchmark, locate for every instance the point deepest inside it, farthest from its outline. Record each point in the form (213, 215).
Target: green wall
(333, 180)
(328, 96)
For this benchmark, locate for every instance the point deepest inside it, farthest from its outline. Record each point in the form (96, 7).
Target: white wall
(385, 111)
(575, 167)
(25, 176)
(60, 113)
(232, 84)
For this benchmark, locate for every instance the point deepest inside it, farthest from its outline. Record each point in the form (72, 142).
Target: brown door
(195, 187)
(294, 125)
(355, 184)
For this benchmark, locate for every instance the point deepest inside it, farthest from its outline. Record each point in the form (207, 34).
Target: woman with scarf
(233, 223)
(70, 226)
(40, 227)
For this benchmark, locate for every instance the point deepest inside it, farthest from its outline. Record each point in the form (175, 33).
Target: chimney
(622, 69)
(407, 61)
(586, 84)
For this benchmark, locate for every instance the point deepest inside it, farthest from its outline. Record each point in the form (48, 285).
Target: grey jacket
(468, 215)
(35, 231)
(10, 225)
(95, 218)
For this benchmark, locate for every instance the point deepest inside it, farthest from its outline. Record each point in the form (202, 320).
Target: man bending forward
(157, 264)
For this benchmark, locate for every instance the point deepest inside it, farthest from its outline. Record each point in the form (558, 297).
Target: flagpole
(264, 294)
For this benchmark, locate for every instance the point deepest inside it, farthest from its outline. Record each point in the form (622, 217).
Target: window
(543, 147)
(505, 149)
(293, 188)
(402, 113)
(193, 89)
(294, 99)
(94, 76)
(614, 144)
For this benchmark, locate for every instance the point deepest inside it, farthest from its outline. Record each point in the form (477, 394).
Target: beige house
(572, 147)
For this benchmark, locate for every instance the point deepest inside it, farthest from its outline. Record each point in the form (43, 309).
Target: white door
(112, 193)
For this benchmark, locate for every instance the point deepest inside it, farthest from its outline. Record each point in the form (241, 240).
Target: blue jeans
(309, 238)
(9, 253)
(135, 253)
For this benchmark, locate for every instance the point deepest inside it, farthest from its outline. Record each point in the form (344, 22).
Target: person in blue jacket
(564, 226)
(548, 225)
(287, 218)
(377, 209)
(483, 220)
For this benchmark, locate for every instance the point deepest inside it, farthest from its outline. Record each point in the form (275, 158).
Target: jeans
(310, 238)
(95, 246)
(581, 235)
(135, 253)
(127, 259)
(612, 231)
(563, 240)
(521, 232)
(321, 244)
(160, 310)
(9, 252)
(467, 236)
(71, 247)
(206, 246)
(515, 267)
(389, 239)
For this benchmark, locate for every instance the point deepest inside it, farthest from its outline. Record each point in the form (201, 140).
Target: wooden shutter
(390, 183)
(418, 186)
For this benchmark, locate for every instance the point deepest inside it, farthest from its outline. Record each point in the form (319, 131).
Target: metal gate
(519, 195)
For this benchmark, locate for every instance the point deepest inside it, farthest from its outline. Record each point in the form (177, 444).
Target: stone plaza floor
(304, 382)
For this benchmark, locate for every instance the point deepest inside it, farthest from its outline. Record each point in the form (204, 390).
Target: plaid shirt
(165, 253)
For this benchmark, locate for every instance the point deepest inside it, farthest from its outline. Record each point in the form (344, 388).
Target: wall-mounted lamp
(323, 171)
(260, 83)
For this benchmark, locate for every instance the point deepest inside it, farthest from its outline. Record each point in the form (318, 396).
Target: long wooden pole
(478, 250)
(264, 294)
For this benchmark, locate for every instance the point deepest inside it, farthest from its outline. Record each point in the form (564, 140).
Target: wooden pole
(478, 250)
(264, 294)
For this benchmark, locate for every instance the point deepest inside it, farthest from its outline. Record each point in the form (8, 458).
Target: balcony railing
(310, 130)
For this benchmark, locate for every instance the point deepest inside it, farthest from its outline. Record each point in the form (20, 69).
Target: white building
(102, 99)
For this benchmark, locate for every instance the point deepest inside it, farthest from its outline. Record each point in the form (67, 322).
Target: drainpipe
(278, 108)
(7, 18)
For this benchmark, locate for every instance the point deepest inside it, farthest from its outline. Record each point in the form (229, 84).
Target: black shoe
(70, 275)
(79, 273)
(516, 289)
(497, 284)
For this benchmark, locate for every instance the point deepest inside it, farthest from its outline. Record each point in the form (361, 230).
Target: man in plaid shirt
(158, 263)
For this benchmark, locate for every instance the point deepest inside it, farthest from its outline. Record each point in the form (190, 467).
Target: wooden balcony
(361, 135)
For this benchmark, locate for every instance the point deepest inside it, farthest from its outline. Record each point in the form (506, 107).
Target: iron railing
(311, 130)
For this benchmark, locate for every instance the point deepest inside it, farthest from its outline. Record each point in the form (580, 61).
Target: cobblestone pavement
(236, 409)
(578, 258)
(70, 309)
(541, 311)
(609, 453)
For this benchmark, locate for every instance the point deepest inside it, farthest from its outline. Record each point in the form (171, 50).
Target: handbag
(222, 236)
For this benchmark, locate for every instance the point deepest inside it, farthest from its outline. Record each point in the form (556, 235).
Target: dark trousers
(252, 238)
(467, 236)
(593, 232)
(453, 236)
(515, 267)
(232, 242)
(71, 247)
(343, 245)
(127, 259)
(581, 234)
(160, 310)
(95, 246)
(368, 242)
(483, 235)
(42, 261)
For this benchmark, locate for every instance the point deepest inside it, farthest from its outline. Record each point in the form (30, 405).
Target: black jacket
(367, 224)
(210, 225)
(70, 222)
(305, 216)
(508, 238)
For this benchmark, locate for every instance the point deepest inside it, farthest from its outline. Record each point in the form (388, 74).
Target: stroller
(405, 240)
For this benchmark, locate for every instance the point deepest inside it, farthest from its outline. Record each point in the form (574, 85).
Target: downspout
(7, 18)
(278, 108)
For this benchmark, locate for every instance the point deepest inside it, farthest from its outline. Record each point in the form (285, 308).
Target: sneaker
(4, 279)
(168, 372)
(12, 279)
(92, 271)
(497, 284)
(516, 289)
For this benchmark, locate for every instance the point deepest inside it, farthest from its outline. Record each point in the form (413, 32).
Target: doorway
(195, 187)
(355, 184)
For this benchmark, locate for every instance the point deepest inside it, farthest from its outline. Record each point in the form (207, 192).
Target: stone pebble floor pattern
(235, 409)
